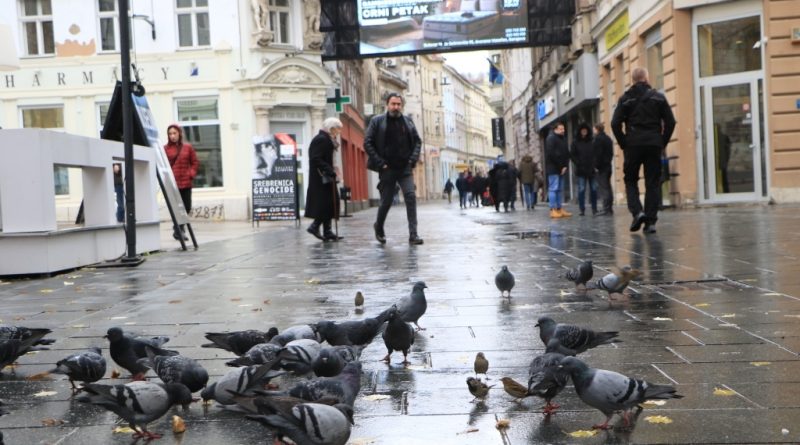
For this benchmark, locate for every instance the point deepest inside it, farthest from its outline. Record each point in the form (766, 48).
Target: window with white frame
(199, 119)
(193, 26)
(102, 113)
(51, 117)
(653, 58)
(109, 23)
(279, 20)
(36, 17)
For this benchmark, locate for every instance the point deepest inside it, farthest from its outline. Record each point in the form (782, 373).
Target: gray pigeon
(296, 333)
(332, 360)
(87, 367)
(398, 336)
(344, 387)
(126, 350)
(239, 342)
(298, 356)
(572, 340)
(3, 412)
(504, 280)
(241, 381)
(257, 355)
(611, 391)
(545, 378)
(306, 423)
(355, 332)
(581, 274)
(616, 283)
(176, 369)
(138, 403)
(412, 307)
(16, 341)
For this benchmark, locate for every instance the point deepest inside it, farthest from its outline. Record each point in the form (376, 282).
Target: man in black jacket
(649, 124)
(583, 156)
(556, 161)
(393, 146)
(604, 151)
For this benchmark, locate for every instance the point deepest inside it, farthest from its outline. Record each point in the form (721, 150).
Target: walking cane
(335, 209)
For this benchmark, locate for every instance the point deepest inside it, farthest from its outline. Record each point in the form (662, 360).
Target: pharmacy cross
(338, 100)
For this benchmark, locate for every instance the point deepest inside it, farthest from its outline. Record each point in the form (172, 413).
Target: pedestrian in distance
(501, 185)
(514, 174)
(556, 162)
(604, 156)
(119, 191)
(527, 176)
(648, 125)
(322, 197)
(448, 190)
(393, 145)
(583, 156)
(183, 159)
(462, 185)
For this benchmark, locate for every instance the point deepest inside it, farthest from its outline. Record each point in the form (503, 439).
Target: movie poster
(275, 178)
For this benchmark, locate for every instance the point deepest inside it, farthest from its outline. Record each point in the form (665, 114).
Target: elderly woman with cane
(322, 198)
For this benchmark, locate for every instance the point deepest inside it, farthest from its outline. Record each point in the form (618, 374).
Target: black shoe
(379, 235)
(330, 236)
(314, 230)
(415, 240)
(176, 235)
(583, 212)
(638, 220)
(650, 228)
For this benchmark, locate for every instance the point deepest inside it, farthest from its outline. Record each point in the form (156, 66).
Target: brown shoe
(554, 213)
(564, 213)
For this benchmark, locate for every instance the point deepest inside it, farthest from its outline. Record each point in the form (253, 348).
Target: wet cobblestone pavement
(716, 313)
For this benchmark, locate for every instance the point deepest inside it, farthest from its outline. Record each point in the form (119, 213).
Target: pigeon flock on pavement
(319, 368)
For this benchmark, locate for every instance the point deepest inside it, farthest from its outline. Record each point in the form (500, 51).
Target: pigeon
(306, 423)
(477, 388)
(504, 280)
(572, 340)
(581, 274)
(126, 350)
(296, 333)
(356, 332)
(3, 412)
(239, 342)
(398, 336)
(241, 381)
(616, 283)
(515, 389)
(545, 378)
(332, 360)
(359, 300)
(481, 365)
(87, 367)
(16, 341)
(344, 387)
(412, 307)
(257, 355)
(298, 356)
(610, 391)
(176, 369)
(138, 403)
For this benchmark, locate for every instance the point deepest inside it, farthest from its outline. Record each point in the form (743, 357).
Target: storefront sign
(617, 30)
(545, 106)
(275, 178)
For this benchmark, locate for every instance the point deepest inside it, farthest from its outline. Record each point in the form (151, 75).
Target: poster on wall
(275, 195)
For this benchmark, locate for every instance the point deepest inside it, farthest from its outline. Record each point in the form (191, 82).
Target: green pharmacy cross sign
(338, 100)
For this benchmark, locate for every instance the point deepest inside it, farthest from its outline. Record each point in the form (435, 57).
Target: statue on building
(312, 38)
(263, 34)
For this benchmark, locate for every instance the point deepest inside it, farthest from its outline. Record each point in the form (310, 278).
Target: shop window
(193, 27)
(199, 119)
(36, 17)
(728, 47)
(51, 118)
(653, 58)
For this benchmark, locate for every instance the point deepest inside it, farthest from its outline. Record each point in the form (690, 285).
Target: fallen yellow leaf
(658, 419)
(45, 393)
(662, 319)
(68, 283)
(115, 373)
(123, 430)
(583, 433)
(724, 392)
(52, 422)
(652, 403)
(702, 305)
(760, 363)
(178, 425)
(376, 397)
(46, 291)
(502, 424)
(39, 376)
(727, 316)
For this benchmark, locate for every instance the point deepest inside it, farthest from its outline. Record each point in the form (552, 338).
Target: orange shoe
(564, 213)
(554, 213)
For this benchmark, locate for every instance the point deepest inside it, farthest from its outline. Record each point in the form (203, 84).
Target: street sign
(338, 100)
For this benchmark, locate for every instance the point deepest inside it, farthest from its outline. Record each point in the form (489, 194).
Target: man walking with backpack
(649, 124)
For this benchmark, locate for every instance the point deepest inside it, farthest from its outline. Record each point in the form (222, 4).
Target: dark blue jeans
(118, 190)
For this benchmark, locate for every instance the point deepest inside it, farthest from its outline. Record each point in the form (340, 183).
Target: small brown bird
(481, 365)
(515, 389)
(359, 299)
(477, 388)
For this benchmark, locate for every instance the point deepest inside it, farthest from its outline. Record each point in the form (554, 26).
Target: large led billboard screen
(410, 26)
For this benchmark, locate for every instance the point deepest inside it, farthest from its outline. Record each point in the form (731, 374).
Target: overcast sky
(469, 62)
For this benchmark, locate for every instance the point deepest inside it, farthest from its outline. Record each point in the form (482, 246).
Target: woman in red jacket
(183, 160)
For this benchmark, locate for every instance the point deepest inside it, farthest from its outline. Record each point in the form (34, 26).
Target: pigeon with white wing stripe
(242, 381)
(580, 274)
(87, 367)
(572, 340)
(306, 423)
(239, 342)
(616, 283)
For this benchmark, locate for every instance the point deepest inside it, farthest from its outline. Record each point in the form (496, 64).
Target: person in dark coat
(583, 156)
(501, 185)
(478, 187)
(527, 175)
(604, 156)
(556, 161)
(448, 190)
(463, 190)
(322, 197)
(649, 124)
